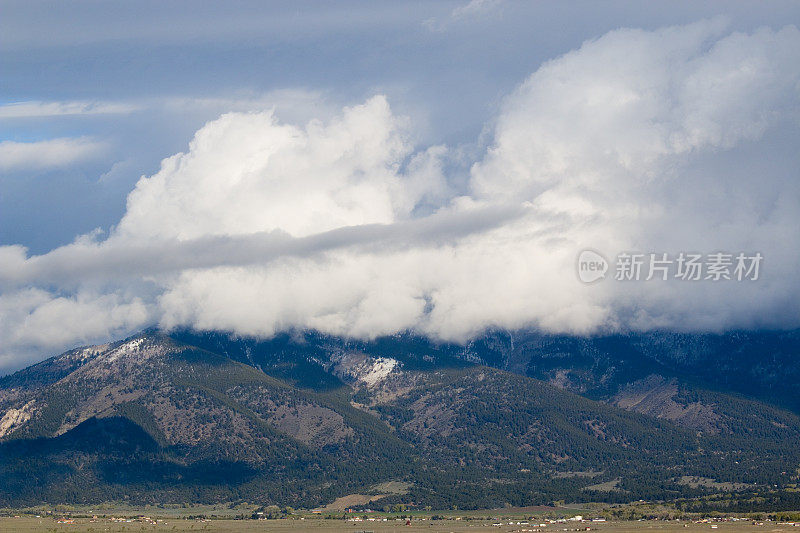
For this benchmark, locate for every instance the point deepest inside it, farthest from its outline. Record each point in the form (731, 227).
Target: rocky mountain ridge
(304, 419)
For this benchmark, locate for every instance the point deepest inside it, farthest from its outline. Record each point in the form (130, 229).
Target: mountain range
(305, 419)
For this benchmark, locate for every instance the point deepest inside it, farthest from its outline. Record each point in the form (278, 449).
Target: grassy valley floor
(417, 524)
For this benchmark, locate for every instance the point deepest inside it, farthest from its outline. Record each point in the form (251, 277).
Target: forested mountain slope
(303, 419)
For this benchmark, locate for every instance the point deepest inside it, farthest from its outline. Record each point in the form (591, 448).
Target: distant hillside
(763, 365)
(304, 419)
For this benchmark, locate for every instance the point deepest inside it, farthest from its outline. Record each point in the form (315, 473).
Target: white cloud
(34, 320)
(294, 104)
(656, 141)
(246, 173)
(47, 154)
(632, 138)
(36, 109)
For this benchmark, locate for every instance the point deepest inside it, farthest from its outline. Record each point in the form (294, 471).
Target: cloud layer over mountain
(679, 139)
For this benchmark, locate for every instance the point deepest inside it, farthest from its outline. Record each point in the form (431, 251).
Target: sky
(364, 168)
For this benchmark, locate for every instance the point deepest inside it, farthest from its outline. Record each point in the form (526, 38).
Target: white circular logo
(591, 266)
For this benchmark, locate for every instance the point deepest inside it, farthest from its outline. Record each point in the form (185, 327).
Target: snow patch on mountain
(363, 369)
(124, 349)
(381, 368)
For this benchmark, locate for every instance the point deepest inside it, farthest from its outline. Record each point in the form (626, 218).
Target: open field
(31, 524)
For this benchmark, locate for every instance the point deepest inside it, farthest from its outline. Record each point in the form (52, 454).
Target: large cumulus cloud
(245, 172)
(680, 139)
